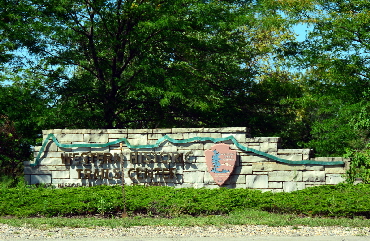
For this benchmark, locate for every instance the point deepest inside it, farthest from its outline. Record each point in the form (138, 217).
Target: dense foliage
(334, 201)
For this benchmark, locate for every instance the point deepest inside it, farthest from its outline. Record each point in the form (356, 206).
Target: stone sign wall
(176, 157)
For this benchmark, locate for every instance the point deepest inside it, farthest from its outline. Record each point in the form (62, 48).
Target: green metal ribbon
(167, 138)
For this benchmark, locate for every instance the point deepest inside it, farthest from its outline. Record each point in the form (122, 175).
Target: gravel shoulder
(152, 233)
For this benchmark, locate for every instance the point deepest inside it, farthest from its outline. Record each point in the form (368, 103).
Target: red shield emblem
(220, 162)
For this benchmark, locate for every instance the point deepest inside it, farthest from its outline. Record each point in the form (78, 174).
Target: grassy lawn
(238, 217)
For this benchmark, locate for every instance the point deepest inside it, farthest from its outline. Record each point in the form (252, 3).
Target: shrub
(359, 166)
(342, 200)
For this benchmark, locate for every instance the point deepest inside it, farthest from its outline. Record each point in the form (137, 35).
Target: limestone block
(198, 185)
(70, 138)
(293, 186)
(196, 167)
(261, 173)
(51, 154)
(238, 137)
(138, 139)
(281, 176)
(51, 146)
(268, 147)
(252, 158)
(73, 173)
(274, 166)
(190, 146)
(208, 178)
(139, 131)
(54, 168)
(211, 186)
(167, 149)
(115, 136)
(254, 146)
(187, 130)
(156, 137)
(51, 161)
(35, 179)
(315, 168)
(335, 169)
(34, 170)
(63, 149)
(60, 174)
(328, 159)
(86, 131)
(45, 132)
(198, 153)
(178, 136)
(81, 149)
(243, 170)
(334, 178)
(314, 176)
(235, 185)
(208, 146)
(275, 185)
(69, 131)
(263, 139)
(293, 157)
(213, 130)
(100, 149)
(163, 131)
(236, 179)
(234, 129)
(97, 131)
(182, 136)
(257, 181)
(341, 159)
(193, 177)
(294, 151)
(207, 134)
(117, 131)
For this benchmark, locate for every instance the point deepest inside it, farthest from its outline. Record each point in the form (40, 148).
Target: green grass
(238, 217)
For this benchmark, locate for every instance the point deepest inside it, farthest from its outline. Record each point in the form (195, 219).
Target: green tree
(335, 81)
(23, 113)
(137, 64)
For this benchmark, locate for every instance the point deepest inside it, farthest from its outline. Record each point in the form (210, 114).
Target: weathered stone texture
(257, 181)
(251, 171)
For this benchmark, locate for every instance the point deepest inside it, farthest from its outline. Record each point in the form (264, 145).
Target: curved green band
(167, 138)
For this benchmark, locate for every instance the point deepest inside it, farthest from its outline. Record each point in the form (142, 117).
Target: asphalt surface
(270, 238)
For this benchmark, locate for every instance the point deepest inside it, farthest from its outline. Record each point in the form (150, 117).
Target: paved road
(168, 233)
(270, 238)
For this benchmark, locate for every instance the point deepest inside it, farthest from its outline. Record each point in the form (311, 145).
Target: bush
(340, 201)
(359, 166)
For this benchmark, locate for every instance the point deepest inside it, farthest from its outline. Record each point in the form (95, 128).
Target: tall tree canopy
(138, 63)
(335, 60)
